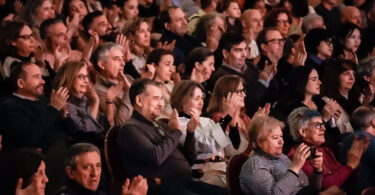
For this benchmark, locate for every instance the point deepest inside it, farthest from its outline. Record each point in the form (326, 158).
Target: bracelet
(107, 102)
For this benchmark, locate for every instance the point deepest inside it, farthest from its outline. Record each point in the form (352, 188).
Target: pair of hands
(174, 122)
(331, 109)
(122, 85)
(138, 186)
(59, 98)
(302, 154)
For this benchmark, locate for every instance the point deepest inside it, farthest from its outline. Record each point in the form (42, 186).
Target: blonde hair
(261, 125)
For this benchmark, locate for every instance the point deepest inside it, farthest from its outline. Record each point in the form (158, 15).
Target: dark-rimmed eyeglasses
(240, 91)
(276, 41)
(318, 125)
(26, 37)
(82, 77)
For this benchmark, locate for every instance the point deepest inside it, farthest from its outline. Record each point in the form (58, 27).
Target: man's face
(255, 22)
(273, 47)
(150, 102)
(113, 64)
(31, 84)
(101, 26)
(57, 36)
(355, 17)
(236, 56)
(178, 24)
(87, 171)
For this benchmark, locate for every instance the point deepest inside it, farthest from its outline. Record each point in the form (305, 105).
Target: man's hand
(174, 122)
(268, 72)
(138, 186)
(59, 98)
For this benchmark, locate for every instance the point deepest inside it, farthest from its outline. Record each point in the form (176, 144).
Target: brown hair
(67, 73)
(182, 92)
(261, 125)
(131, 27)
(223, 87)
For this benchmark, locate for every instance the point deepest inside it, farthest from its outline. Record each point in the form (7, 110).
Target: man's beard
(109, 38)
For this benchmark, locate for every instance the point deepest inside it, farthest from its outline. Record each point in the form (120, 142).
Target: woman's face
(25, 43)
(142, 35)
(325, 49)
(194, 102)
(206, 67)
(130, 9)
(39, 179)
(273, 144)
(45, 11)
(313, 83)
(240, 92)
(80, 83)
(371, 79)
(233, 10)
(283, 24)
(165, 68)
(347, 80)
(313, 135)
(353, 41)
(77, 7)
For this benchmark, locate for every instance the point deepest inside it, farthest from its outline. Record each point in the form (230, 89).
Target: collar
(107, 82)
(183, 114)
(140, 117)
(233, 68)
(81, 102)
(315, 58)
(24, 97)
(78, 188)
(266, 155)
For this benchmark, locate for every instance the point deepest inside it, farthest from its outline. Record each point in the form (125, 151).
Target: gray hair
(299, 119)
(101, 53)
(362, 117)
(78, 149)
(306, 22)
(205, 23)
(366, 66)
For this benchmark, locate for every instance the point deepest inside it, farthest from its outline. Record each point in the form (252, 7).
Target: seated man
(149, 147)
(83, 168)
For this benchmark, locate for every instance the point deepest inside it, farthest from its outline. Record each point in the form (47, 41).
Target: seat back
(112, 155)
(233, 172)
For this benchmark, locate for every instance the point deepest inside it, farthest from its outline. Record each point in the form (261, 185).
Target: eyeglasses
(328, 41)
(318, 125)
(240, 91)
(82, 77)
(276, 41)
(283, 21)
(26, 37)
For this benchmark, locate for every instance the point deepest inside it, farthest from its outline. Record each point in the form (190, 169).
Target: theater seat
(233, 172)
(112, 155)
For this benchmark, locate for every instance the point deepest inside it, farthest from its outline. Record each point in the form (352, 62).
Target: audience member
(35, 12)
(129, 10)
(351, 14)
(312, 21)
(366, 76)
(112, 85)
(148, 147)
(280, 18)
(331, 15)
(206, 7)
(252, 22)
(233, 13)
(347, 42)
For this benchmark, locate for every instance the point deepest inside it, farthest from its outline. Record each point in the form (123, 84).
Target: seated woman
(162, 61)
(83, 103)
(187, 97)
(306, 125)
(23, 172)
(129, 10)
(227, 88)
(269, 171)
(347, 42)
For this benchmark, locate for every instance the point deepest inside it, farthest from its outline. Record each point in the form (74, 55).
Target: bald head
(351, 14)
(252, 19)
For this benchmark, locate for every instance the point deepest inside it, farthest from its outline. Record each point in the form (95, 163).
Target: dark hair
(199, 54)
(29, 11)
(297, 82)
(120, 3)
(331, 84)
(78, 149)
(206, 3)
(15, 164)
(46, 24)
(88, 20)
(300, 8)
(9, 32)
(165, 17)
(17, 72)
(139, 86)
(182, 92)
(204, 24)
(270, 19)
(228, 40)
(156, 55)
(313, 39)
(345, 31)
(66, 10)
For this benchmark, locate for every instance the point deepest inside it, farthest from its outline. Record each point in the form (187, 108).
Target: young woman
(347, 42)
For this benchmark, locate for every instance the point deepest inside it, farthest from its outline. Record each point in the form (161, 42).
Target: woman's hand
(61, 53)
(138, 186)
(148, 71)
(356, 150)
(194, 120)
(299, 158)
(230, 104)
(317, 162)
(263, 111)
(124, 42)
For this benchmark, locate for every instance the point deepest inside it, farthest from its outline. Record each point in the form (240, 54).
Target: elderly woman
(268, 170)
(280, 18)
(227, 88)
(83, 103)
(187, 97)
(306, 125)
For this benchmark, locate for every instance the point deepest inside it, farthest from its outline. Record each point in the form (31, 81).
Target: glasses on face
(328, 41)
(283, 21)
(318, 125)
(240, 91)
(82, 77)
(276, 41)
(26, 37)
